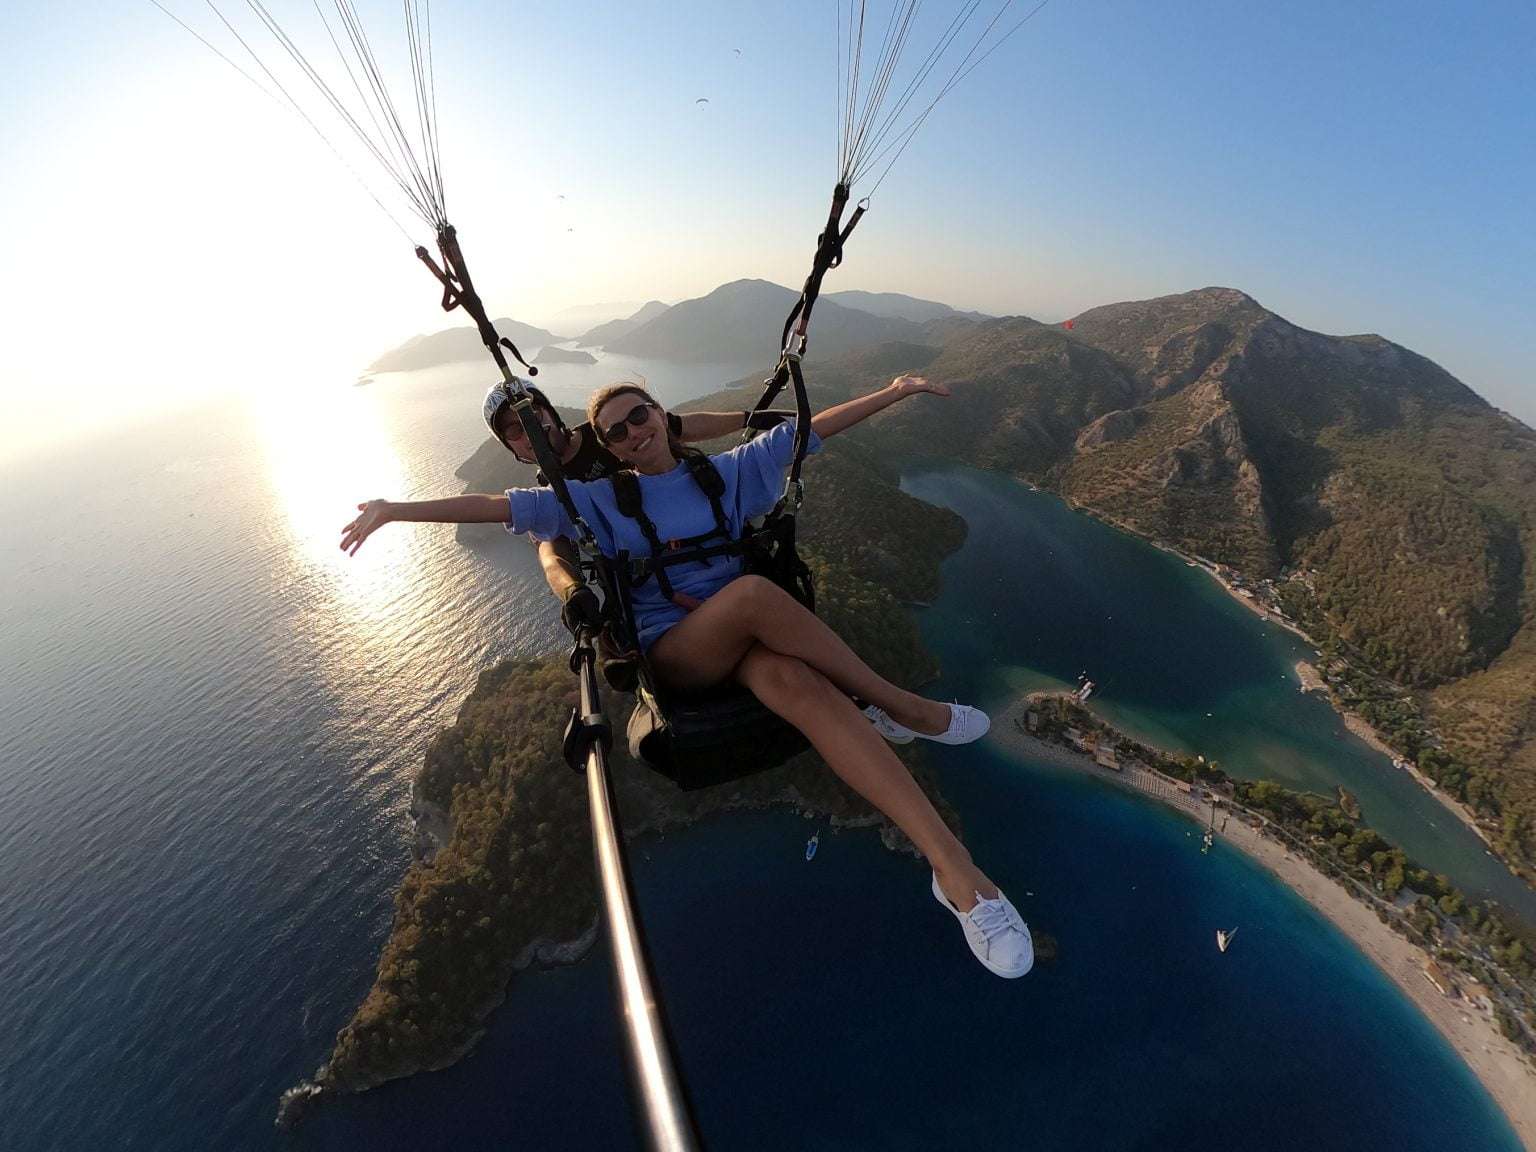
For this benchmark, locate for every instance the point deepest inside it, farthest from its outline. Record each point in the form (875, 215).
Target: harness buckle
(794, 495)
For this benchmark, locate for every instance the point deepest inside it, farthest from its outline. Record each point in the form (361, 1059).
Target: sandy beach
(1312, 681)
(1495, 1061)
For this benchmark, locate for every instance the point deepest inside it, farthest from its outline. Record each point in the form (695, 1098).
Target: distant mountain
(894, 304)
(600, 336)
(584, 316)
(454, 345)
(742, 321)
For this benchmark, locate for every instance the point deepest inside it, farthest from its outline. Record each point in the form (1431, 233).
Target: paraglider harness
(702, 738)
(724, 733)
(698, 739)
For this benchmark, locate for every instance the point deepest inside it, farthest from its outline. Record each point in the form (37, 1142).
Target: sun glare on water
(326, 451)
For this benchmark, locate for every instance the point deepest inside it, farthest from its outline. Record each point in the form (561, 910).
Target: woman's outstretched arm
(475, 508)
(849, 413)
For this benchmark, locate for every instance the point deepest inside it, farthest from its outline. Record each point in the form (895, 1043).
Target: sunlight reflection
(326, 451)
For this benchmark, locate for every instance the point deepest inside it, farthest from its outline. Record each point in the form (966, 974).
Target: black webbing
(628, 498)
(459, 292)
(829, 254)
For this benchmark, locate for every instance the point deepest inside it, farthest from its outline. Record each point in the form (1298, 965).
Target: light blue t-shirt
(754, 479)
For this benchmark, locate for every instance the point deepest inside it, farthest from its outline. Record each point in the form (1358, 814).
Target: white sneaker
(998, 936)
(965, 724)
(887, 727)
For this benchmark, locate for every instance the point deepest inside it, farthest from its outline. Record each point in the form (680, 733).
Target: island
(550, 354)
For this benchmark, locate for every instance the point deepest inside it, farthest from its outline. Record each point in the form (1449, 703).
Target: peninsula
(501, 875)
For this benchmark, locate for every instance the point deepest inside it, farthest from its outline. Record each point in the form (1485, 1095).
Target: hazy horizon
(1357, 171)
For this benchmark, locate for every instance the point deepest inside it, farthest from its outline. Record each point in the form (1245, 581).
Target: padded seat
(711, 737)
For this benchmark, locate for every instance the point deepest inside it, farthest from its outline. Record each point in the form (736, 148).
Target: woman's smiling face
(635, 430)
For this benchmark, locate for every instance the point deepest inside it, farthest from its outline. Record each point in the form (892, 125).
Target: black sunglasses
(638, 415)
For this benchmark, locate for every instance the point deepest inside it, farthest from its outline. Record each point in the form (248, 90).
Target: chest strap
(628, 498)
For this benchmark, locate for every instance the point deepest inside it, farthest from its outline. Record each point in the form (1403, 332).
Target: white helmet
(498, 396)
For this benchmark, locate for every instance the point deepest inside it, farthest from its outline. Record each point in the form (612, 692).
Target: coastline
(1358, 725)
(1495, 1061)
(1311, 680)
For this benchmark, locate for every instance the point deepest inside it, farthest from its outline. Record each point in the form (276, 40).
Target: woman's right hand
(371, 517)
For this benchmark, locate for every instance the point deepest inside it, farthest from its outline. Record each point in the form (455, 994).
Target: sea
(209, 722)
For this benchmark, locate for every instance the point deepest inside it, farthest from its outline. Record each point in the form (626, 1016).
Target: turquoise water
(209, 721)
(1040, 594)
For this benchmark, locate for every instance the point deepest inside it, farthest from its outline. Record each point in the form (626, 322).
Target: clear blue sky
(1366, 166)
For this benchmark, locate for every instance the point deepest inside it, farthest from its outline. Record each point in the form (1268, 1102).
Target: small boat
(1224, 939)
(811, 846)
(1085, 691)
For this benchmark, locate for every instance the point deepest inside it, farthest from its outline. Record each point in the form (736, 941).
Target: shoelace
(993, 917)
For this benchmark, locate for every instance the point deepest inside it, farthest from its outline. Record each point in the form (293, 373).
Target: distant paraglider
(702, 100)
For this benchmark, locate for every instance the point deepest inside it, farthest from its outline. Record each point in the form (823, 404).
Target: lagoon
(1040, 594)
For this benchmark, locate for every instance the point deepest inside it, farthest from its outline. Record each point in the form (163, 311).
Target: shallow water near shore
(1040, 594)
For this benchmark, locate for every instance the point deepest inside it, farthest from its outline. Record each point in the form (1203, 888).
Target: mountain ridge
(1390, 500)
(742, 320)
(601, 334)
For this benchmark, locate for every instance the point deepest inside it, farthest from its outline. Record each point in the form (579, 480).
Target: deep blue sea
(209, 720)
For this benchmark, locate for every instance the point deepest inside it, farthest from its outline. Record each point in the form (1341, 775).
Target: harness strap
(708, 478)
(459, 292)
(689, 549)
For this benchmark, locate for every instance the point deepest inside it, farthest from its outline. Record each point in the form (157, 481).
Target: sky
(1359, 167)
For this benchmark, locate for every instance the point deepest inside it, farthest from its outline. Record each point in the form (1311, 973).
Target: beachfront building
(1105, 756)
(1437, 977)
(1479, 995)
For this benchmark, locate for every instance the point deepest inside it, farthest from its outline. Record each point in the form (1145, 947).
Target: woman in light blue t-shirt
(719, 623)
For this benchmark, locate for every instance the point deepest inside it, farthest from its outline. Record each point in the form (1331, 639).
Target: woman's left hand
(911, 385)
(372, 516)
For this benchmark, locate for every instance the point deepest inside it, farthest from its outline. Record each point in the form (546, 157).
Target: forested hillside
(1399, 506)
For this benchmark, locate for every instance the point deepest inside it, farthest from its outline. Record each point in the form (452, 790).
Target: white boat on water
(1224, 939)
(1085, 691)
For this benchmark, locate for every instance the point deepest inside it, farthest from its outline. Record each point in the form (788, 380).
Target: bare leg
(707, 645)
(847, 742)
